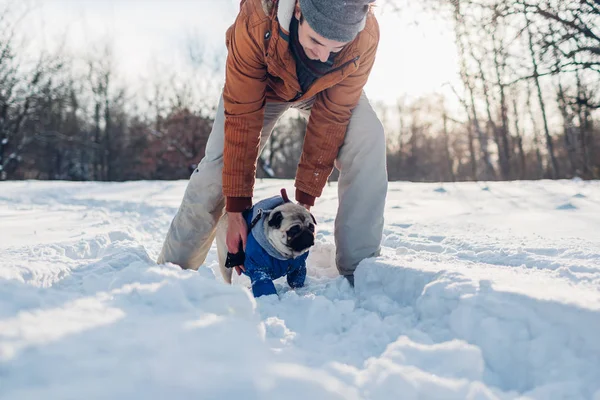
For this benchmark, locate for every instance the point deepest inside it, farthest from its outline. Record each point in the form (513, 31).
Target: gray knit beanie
(339, 20)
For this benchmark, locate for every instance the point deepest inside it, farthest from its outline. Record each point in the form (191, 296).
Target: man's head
(326, 26)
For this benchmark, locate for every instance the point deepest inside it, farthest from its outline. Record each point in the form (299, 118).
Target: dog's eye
(294, 230)
(311, 228)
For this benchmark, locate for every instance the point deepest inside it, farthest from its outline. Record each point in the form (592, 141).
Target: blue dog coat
(263, 262)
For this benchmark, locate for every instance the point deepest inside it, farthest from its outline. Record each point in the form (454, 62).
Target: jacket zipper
(354, 60)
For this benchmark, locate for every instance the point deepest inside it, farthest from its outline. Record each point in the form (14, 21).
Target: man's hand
(305, 206)
(237, 231)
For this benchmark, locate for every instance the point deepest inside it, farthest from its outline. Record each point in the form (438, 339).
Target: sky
(416, 55)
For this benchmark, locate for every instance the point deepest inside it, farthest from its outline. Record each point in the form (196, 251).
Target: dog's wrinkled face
(291, 229)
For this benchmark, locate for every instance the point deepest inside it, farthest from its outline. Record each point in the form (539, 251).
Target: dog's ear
(313, 218)
(275, 220)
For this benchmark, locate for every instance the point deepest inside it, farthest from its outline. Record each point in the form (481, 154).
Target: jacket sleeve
(244, 100)
(297, 277)
(257, 270)
(329, 119)
(262, 285)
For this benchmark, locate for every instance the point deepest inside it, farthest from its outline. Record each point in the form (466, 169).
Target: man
(315, 56)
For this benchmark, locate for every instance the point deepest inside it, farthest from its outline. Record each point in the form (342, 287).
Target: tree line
(529, 98)
(527, 106)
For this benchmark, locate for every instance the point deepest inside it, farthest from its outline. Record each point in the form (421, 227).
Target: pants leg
(362, 188)
(193, 229)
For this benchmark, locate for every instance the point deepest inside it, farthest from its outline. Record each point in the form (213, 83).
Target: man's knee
(378, 144)
(365, 138)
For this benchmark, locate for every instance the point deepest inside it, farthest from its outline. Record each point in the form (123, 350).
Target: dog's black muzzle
(302, 240)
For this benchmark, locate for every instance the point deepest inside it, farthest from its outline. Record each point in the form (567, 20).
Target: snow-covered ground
(482, 292)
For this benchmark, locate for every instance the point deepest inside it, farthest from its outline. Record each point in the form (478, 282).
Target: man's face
(315, 46)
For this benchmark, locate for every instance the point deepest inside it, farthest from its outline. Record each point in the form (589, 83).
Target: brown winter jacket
(260, 68)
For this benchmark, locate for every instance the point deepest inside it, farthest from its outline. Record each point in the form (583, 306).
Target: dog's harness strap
(259, 215)
(261, 212)
(238, 258)
(233, 260)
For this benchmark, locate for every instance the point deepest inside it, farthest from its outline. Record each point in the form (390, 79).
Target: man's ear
(297, 11)
(275, 220)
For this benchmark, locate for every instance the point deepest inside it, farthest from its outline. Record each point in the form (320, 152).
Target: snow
(482, 292)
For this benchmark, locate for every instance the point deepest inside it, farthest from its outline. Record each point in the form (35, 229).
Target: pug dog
(280, 234)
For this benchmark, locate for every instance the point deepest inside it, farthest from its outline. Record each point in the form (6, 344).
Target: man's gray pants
(362, 188)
